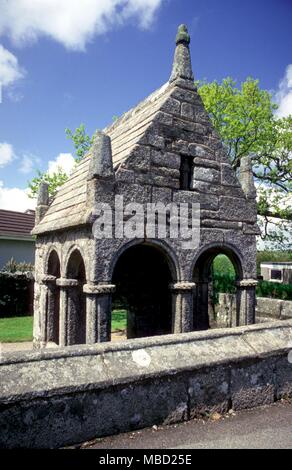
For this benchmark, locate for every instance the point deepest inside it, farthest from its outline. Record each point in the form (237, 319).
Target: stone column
(42, 326)
(68, 305)
(49, 294)
(182, 306)
(246, 301)
(98, 312)
(46, 308)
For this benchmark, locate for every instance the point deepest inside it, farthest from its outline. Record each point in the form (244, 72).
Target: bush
(13, 267)
(274, 290)
(222, 282)
(16, 294)
(226, 283)
(223, 265)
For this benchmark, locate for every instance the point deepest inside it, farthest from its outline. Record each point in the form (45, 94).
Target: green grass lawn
(119, 320)
(17, 329)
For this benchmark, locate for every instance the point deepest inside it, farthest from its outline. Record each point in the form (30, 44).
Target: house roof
(16, 224)
(69, 207)
(277, 264)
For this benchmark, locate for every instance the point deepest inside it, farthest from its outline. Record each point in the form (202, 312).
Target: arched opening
(76, 300)
(222, 280)
(216, 270)
(54, 264)
(53, 299)
(142, 276)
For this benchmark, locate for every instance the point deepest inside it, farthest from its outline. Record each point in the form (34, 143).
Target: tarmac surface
(268, 427)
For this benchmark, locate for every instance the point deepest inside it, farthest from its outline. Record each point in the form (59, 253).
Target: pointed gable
(149, 145)
(69, 206)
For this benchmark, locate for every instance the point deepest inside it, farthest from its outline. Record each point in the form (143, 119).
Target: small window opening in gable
(186, 170)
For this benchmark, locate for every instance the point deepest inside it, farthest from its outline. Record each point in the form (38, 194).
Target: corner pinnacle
(182, 66)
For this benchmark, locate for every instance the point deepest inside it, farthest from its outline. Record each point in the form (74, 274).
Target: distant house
(277, 272)
(16, 240)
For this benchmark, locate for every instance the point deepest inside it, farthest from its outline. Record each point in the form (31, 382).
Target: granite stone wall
(60, 397)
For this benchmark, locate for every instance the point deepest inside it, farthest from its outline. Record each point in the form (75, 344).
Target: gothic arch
(53, 264)
(52, 305)
(52, 255)
(76, 271)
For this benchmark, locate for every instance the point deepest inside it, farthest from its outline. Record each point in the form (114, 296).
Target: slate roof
(69, 206)
(126, 132)
(16, 224)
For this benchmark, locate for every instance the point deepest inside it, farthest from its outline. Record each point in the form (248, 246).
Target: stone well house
(164, 150)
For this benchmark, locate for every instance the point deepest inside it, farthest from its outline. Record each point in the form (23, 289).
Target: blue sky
(65, 62)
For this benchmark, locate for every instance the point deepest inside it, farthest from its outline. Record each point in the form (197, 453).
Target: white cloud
(10, 70)
(6, 154)
(64, 161)
(28, 163)
(15, 199)
(72, 23)
(284, 94)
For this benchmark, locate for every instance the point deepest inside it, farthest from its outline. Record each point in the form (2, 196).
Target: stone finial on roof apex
(101, 162)
(182, 66)
(183, 35)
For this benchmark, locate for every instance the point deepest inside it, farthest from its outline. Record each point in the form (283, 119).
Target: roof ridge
(125, 134)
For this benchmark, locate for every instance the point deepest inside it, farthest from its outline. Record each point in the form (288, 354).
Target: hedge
(226, 283)
(16, 294)
(274, 290)
(222, 283)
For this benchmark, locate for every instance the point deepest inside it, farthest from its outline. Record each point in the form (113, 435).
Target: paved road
(261, 428)
(14, 347)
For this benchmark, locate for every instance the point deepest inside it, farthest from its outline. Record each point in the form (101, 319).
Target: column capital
(48, 279)
(98, 289)
(247, 283)
(182, 286)
(64, 282)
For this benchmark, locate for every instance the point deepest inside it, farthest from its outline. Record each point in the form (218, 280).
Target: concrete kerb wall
(55, 398)
(266, 309)
(275, 308)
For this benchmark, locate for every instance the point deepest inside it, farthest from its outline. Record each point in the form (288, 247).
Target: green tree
(54, 180)
(81, 142)
(245, 119)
